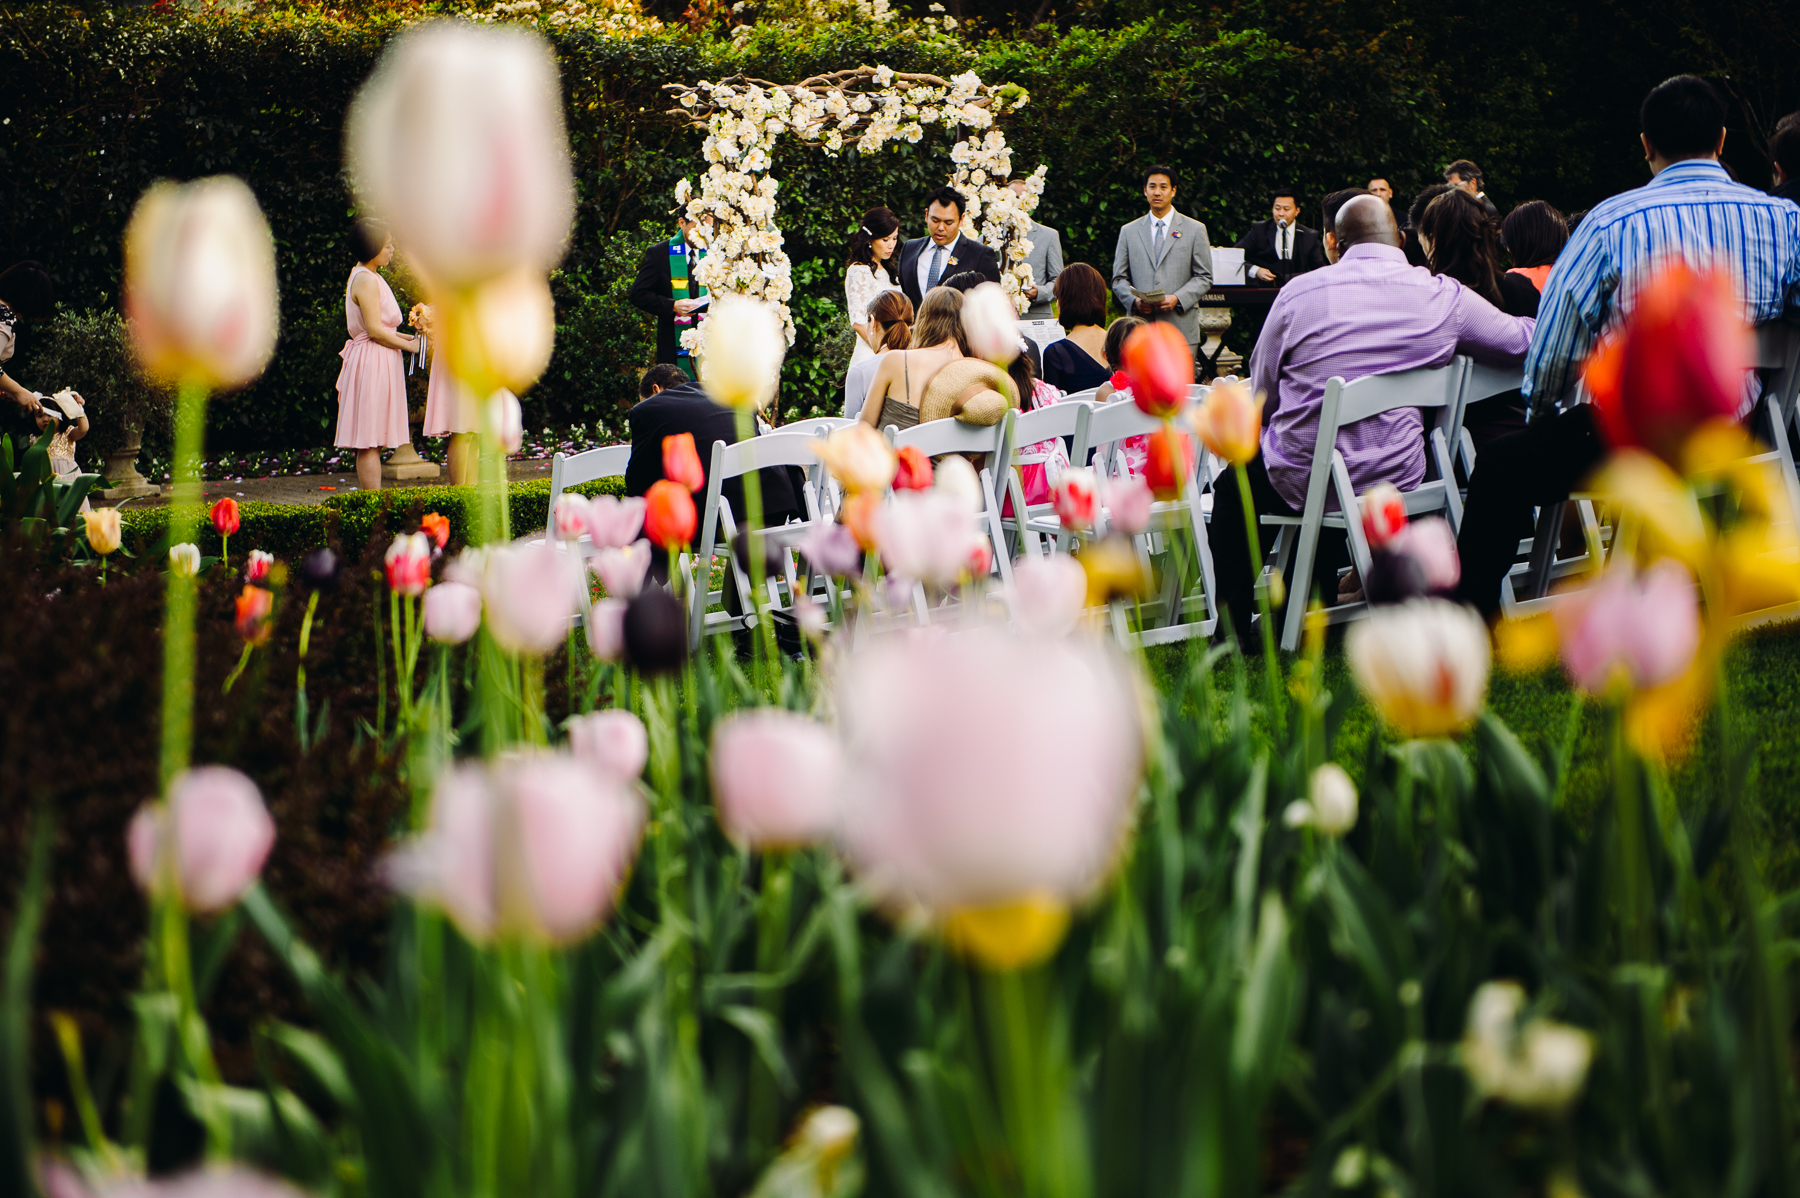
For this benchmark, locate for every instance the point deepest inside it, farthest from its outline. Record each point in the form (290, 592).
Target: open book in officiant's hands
(1149, 297)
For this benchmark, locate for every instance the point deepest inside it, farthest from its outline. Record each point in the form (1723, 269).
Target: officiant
(666, 288)
(1277, 249)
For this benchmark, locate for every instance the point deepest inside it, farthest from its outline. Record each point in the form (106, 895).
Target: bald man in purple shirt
(1368, 313)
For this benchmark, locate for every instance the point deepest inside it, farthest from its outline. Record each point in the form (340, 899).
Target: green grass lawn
(1762, 673)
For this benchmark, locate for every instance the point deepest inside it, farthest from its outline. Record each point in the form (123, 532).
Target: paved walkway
(317, 488)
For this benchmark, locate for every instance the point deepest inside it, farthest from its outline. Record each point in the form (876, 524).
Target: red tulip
(1160, 364)
(436, 527)
(254, 607)
(1383, 514)
(225, 516)
(1169, 463)
(408, 564)
(1676, 362)
(669, 516)
(681, 462)
(915, 470)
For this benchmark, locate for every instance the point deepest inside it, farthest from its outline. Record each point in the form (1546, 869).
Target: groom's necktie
(937, 267)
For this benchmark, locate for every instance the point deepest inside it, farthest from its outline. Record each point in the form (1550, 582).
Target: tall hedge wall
(98, 103)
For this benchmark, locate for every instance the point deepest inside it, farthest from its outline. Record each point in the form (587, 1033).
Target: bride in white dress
(866, 275)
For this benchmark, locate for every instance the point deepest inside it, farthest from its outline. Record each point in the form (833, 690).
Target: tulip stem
(312, 605)
(242, 661)
(1253, 545)
(178, 615)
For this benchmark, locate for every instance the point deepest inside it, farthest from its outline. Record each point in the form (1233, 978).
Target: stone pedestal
(121, 473)
(405, 463)
(1214, 324)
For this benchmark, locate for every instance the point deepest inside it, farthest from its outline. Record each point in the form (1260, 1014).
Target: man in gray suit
(1045, 260)
(1164, 251)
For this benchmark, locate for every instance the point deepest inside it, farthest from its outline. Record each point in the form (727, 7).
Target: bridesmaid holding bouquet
(372, 385)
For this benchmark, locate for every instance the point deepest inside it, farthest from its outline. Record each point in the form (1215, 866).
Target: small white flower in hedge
(1330, 803)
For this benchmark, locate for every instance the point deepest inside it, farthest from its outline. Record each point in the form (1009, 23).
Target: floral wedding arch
(867, 107)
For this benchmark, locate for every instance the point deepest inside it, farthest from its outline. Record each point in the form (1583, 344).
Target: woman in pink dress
(372, 385)
(449, 407)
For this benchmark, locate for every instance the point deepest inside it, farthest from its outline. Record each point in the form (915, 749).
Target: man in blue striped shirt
(1689, 208)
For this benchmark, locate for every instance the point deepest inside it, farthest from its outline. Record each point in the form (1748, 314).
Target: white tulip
(742, 343)
(991, 323)
(1330, 804)
(1423, 664)
(457, 141)
(200, 289)
(184, 559)
(1541, 1064)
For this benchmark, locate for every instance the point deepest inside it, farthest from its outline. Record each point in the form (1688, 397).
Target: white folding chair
(1168, 616)
(1778, 365)
(729, 461)
(1031, 525)
(937, 437)
(571, 470)
(1344, 404)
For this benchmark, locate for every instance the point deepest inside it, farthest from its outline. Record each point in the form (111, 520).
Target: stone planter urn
(121, 474)
(405, 462)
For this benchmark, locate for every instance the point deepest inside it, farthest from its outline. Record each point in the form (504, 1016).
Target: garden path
(316, 488)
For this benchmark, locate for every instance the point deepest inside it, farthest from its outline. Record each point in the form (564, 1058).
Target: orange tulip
(1229, 422)
(437, 527)
(915, 469)
(669, 516)
(254, 607)
(1169, 463)
(681, 462)
(860, 510)
(1160, 364)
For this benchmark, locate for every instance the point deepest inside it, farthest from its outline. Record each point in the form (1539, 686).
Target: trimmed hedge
(347, 522)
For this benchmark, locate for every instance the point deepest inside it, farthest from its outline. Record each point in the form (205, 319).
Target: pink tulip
(257, 570)
(612, 742)
(570, 516)
(210, 839)
(1383, 514)
(529, 588)
(832, 549)
(230, 1181)
(409, 564)
(1074, 497)
(622, 571)
(1643, 630)
(614, 523)
(925, 536)
(534, 846)
(934, 814)
(1049, 594)
(775, 778)
(506, 420)
(1430, 543)
(452, 612)
(606, 629)
(1128, 503)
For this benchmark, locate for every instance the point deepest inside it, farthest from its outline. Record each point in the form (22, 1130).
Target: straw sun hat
(987, 407)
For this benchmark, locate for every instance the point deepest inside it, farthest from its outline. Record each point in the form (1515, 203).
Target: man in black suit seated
(669, 404)
(1277, 249)
(926, 262)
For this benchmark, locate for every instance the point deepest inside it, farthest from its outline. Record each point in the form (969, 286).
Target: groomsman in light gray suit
(1045, 260)
(1164, 251)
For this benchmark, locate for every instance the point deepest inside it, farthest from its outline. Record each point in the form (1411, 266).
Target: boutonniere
(953, 261)
(1176, 234)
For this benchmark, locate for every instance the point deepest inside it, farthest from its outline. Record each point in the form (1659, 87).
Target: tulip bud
(622, 571)
(1074, 497)
(914, 469)
(611, 742)
(457, 139)
(669, 515)
(991, 324)
(437, 527)
(452, 612)
(1330, 804)
(606, 629)
(1229, 422)
(860, 513)
(1168, 463)
(529, 589)
(681, 462)
(570, 516)
(505, 421)
(775, 778)
(408, 562)
(200, 292)
(257, 569)
(104, 535)
(860, 458)
(225, 520)
(741, 347)
(1638, 631)
(319, 570)
(1128, 503)
(208, 840)
(1383, 514)
(614, 523)
(1423, 665)
(254, 607)
(1432, 544)
(1049, 593)
(184, 559)
(1160, 364)
(655, 628)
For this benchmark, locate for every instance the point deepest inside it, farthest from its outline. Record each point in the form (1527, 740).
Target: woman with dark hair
(1078, 361)
(891, 316)
(25, 294)
(372, 385)
(1462, 241)
(1039, 463)
(866, 275)
(1534, 234)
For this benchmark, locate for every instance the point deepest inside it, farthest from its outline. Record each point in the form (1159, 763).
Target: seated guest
(1371, 313)
(1328, 210)
(1078, 361)
(900, 380)
(669, 405)
(1415, 213)
(1134, 449)
(965, 282)
(1461, 242)
(1690, 207)
(890, 322)
(1041, 462)
(1466, 176)
(1534, 233)
(1784, 148)
(1279, 248)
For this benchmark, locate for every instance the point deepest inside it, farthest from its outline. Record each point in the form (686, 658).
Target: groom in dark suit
(1277, 249)
(927, 261)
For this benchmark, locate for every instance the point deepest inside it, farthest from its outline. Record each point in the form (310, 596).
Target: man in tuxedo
(1277, 249)
(1164, 251)
(1045, 260)
(670, 405)
(666, 268)
(927, 261)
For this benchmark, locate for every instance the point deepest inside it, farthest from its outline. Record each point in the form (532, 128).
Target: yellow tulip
(1229, 422)
(858, 457)
(103, 533)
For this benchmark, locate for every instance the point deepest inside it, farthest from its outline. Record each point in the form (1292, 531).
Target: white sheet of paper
(1045, 332)
(1227, 267)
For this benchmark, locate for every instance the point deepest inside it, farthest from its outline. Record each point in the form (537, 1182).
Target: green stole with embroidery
(681, 283)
